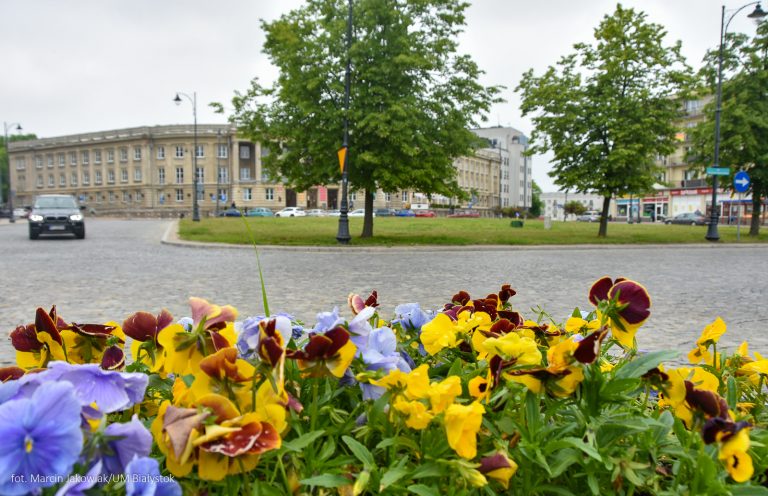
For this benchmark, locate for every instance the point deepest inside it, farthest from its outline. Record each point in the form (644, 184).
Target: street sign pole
(738, 221)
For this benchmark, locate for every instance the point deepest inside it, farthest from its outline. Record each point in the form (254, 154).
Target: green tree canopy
(744, 116)
(537, 204)
(4, 165)
(413, 98)
(606, 111)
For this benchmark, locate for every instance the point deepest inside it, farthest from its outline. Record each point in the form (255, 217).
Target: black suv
(56, 214)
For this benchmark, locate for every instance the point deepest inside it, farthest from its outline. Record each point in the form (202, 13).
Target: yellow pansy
(576, 325)
(442, 394)
(418, 415)
(523, 350)
(733, 452)
(439, 333)
(462, 423)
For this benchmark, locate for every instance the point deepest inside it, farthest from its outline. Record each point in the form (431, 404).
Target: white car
(291, 212)
(360, 212)
(316, 212)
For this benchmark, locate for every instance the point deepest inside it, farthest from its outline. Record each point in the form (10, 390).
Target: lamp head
(177, 100)
(18, 127)
(758, 14)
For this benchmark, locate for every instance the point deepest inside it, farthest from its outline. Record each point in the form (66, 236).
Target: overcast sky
(90, 65)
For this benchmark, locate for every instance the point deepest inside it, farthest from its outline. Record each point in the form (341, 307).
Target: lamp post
(757, 14)
(342, 236)
(6, 127)
(193, 100)
(218, 169)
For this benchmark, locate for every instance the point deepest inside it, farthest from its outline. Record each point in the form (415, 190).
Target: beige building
(148, 170)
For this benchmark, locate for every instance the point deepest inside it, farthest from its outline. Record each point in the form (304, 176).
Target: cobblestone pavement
(122, 267)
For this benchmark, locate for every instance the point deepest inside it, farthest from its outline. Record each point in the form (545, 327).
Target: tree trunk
(754, 225)
(368, 220)
(603, 232)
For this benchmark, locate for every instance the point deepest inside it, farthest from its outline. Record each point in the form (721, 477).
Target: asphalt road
(122, 267)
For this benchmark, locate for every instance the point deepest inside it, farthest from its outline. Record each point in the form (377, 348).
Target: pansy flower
(144, 328)
(462, 423)
(87, 343)
(709, 337)
(417, 414)
(39, 343)
(357, 303)
(226, 374)
(733, 443)
(143, 478)
(42, 438)
(380, 353)
(329, 353)
(628, 306)
(498, 467)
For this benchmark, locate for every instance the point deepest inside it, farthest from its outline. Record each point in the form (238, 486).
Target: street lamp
(218, 169)
(757, 14)
(193, 100)
(342, 236)
(6, 127)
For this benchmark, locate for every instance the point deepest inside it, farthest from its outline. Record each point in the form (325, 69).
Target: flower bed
(472, 399)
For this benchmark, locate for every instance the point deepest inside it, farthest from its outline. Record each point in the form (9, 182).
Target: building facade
(149, 170)
(516, 180)
(554, 204)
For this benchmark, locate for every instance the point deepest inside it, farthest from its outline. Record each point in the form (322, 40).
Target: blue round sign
(741, 182)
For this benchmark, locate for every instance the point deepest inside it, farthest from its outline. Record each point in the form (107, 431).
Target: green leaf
(423, 490)
(326, 480)
(733, 392)
(456, 368)
(360, 452)
(563, 459)
(428, 469)
(594, 486)
(643, 363)
(577, 443)
(748, 490)
(302, 441)
(391, 476)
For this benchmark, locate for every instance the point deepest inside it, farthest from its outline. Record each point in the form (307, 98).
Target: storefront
(655, 207)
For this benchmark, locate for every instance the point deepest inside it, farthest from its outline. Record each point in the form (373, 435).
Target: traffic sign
(718, 171)
(741, 182)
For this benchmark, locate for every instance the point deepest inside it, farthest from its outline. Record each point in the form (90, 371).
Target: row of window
(85, 155)
(86, 178)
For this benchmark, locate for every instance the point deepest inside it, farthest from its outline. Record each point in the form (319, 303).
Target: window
(137, 175)
(223, 194)
(72, 158)
(126, 197)
(247, 194)
(111, 197)
(161, 152)
(179, 195)
(222, 151)
(353, 196)
(179, 151)
(161, 175)
(405, 196)
(50, 181)
(62, 179)
(50, 160)
(245, 151)
(97, 156)
(223, 174)
(137, 153)
(73, 179)
(264, 176)
(690, 174)
(199, 151)
(39, 162)
(179, 175)
(245, 173)
(123, 154)
(111, 176)
(123, 175)
(110, 156)
(21, 164)
(200, 175)
(97, 177)
(387, 197)
(269, 194)
(39, 180)
(86, 178)
(200, 193)
(62, 160)
(85, 157)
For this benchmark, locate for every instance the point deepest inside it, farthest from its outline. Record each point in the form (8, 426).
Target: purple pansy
(248, 333)
(142, 478)
(360, 328)
(78, 485)
(124, 442)
(112, 391)
(381, 354)
(327, 321)
(41, 438)
(411, 317)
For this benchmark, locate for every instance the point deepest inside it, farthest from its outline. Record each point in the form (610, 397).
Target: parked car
(259, 212)
(425, 213)
(385, 212)
(334, 213)
(358, 212)
(465, 213)
(316, 212)
(20, 213)
(688, 218)
(291, 212)
(230, 212)
(56, 214)
(589, 216)
(5, 214)
(406, 212)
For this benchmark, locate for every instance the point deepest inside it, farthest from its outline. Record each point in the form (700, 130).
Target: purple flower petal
(133, 439)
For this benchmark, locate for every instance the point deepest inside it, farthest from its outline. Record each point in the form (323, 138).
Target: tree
(5, 169)
(605, 111)
(744, 116)
(413, 98)
(536, 203)
(575, 207)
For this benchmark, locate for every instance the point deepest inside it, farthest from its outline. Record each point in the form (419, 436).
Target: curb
(171, 237)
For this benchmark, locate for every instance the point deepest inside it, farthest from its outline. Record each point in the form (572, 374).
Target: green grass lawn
(396, 231)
